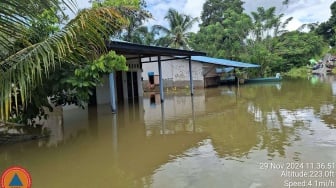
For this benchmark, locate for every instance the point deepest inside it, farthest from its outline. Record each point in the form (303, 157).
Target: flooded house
(146, 64)
(157, 69)
(123, 86)
(206, 72)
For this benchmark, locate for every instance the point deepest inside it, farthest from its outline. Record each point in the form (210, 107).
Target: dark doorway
(93, 97)
(151, 77)
(132, 85)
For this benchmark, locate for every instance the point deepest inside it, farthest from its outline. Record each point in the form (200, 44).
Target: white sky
(302, 11)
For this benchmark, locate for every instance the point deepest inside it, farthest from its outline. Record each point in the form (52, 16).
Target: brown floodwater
(253, 136)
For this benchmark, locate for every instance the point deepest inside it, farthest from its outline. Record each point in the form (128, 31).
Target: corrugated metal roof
(224, 62)
(126, 48)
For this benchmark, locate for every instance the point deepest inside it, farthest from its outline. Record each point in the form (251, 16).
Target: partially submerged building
(123, 86)
(206, 71)
(158, 67)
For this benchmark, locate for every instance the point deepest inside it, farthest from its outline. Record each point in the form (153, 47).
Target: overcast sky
(302, 11)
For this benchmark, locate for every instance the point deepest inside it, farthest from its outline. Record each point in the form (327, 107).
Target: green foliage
(267, 24)
(209, 40)
(76, 86)
(41, 27)
(177, 35)
(19, 16)
(260, 53)
(333, 70)
(299, 72)
(69, 84)
(226, 38)
(296, 48)
(30, 61)
(236, 27)
(136, 16)
(213, 10)
(115, 3)
(331, 50)
(226, 32)
(327, 29)
(144, 35)
(45, 24)
(281, 54)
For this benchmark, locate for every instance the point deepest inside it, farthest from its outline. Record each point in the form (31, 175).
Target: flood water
(251, 136)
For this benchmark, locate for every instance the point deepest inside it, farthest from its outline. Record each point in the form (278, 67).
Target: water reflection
(216, 138)
(176, 114)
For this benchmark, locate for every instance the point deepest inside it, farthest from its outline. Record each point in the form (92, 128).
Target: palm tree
(22, 70)
(144, 35)
(267, 23)
(280, 27)
(176, 36)
(310, 27)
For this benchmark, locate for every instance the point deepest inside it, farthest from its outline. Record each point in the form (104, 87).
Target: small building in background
(175, 73)
(206, 71)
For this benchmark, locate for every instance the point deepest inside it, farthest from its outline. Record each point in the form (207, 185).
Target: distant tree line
(226, 31)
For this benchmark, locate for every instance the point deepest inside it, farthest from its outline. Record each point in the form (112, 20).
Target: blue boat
(231, 80)
(260, 80)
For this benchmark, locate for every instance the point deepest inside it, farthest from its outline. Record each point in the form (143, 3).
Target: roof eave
(126, 48)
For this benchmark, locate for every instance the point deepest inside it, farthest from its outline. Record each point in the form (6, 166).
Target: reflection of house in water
(176, 113)
(127, 131)
(175, 116)
(333, 87)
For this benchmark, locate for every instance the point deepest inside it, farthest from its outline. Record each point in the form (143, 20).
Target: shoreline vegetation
(298, 72)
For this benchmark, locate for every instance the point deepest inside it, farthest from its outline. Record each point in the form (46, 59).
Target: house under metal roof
(224, 62)
(136, 51)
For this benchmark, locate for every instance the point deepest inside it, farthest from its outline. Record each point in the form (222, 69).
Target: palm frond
(16, 16)
(82, 38)
(175, 35)
(160, 28)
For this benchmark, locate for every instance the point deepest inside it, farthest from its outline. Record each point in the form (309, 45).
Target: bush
(299, 72)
